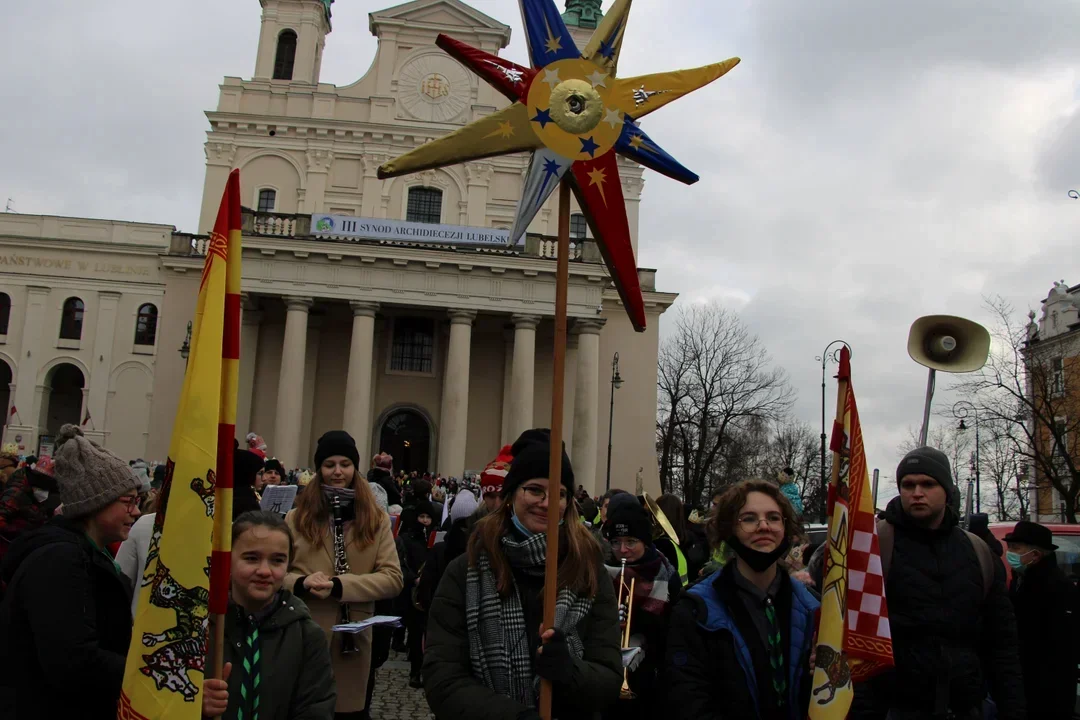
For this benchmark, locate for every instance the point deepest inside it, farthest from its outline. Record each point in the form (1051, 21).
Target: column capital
(588, 326)
(361, 308)
(525, 322)
(249, 302)
(38, 290)
(297, 302)
(461, 317)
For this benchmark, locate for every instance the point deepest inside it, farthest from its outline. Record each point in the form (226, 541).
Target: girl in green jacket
(277, 663)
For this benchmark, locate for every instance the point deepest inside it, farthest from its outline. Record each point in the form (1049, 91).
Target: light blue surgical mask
(1015, 560)
(525, 532)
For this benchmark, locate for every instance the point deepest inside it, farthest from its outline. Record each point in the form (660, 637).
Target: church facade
(394, 309)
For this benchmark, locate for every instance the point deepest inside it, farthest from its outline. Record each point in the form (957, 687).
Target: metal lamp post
(824, 359)
(961, 410)
(616, 383)
(185, 349)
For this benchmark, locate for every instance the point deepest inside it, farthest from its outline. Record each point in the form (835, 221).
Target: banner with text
(359, 228)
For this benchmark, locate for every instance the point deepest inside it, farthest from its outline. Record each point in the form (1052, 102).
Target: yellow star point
(553, 43)
(596, 177)
(505, 130)
(637, 141)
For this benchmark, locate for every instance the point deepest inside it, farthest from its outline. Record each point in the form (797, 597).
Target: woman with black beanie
(374, 572)
(484, 658)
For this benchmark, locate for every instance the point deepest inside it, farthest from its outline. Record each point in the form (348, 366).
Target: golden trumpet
(625, 693)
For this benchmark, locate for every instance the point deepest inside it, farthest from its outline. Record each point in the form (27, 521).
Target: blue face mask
(1015, 560)
(525, 532)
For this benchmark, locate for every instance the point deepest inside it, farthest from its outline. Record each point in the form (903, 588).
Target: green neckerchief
(105, 553)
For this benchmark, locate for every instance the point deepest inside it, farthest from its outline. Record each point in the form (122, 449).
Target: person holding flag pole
(186, 579)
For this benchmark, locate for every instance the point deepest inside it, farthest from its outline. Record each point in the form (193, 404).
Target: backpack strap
(986, 560)
(886, 538)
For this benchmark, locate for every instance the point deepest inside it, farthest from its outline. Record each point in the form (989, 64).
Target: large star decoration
(573, 113)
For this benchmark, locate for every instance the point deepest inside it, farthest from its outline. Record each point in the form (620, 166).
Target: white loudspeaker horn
(947, 343)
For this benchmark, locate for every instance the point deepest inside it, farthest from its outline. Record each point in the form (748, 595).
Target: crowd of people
(708, 614)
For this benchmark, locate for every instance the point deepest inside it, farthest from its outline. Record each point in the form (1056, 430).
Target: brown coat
(375, 574)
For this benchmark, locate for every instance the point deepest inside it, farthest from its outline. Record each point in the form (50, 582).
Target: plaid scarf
(499, 651)
(652, 575)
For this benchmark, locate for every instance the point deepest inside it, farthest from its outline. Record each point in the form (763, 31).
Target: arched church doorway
(406, 435)
(5, 392)
(65, 383)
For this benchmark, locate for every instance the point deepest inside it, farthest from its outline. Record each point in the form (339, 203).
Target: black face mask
(757, 560)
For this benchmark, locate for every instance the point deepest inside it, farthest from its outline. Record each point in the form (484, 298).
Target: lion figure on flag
(837, 672)
(185, 643)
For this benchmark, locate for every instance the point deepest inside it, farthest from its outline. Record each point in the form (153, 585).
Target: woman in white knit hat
(65, 620)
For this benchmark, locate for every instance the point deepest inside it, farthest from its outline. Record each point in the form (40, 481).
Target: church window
(71, 319)
(5, 312)
(577, 226)
(414, 343)
(267, 200)
(146, 325)
(286, 55)
(425, 205)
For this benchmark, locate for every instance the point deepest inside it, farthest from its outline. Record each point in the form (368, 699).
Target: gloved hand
(553, 659)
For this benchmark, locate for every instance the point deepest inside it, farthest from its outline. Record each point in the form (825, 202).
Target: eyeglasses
(535, 493)
(131, 503)
(749, 522)
(626, 543)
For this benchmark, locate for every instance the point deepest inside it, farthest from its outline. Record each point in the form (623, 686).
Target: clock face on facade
(433, 88)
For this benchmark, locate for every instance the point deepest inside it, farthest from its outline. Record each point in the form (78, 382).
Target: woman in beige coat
(374, 572)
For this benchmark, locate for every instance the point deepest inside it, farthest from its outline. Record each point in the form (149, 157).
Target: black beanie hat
(532, 459)
(627, 518)
(336, 442)
(275, 465)
(927, 461)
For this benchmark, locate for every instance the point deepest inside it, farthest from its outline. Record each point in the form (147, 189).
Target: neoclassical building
(394, 309)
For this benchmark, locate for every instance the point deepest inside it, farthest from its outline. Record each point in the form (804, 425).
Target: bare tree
(1029, 393)
(717, 388)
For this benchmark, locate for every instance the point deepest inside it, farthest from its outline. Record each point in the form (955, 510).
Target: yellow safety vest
(683, 571)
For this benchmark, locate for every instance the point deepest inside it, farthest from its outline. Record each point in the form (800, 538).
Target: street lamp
(961, 410)
(824, 358)
(616, 383)
(185, 349)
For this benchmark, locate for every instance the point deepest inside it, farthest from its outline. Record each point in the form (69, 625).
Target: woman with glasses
(740, 639)
(65, 620)
(484, 658)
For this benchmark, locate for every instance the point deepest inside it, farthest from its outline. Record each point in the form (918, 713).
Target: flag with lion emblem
(180, 586)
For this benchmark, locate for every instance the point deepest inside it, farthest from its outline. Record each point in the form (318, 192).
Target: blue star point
(543, 117)
(551, 167)
(588, 145)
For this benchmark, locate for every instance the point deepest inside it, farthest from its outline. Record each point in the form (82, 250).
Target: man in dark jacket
(953, 629)
(30, 499)
(1043, 600)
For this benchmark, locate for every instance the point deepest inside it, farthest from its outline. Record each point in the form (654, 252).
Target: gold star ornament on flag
(572, 112)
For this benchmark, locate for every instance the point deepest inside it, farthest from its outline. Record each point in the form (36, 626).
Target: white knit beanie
(464, 506)
(90, 476)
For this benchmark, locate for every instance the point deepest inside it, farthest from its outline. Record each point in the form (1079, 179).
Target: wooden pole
(551, 570)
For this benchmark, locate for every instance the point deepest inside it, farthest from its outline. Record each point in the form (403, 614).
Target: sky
(865, 164)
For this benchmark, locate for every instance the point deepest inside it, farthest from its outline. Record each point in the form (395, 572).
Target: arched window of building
(71, 319)
(146, 325)
(414, 343)
(425, 205)
(5, 312)
(577, 226)
(286, 55)
(267, 200)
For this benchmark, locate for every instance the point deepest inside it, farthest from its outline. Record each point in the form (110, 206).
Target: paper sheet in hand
(361, 625)
(278, 498)
(630, 657)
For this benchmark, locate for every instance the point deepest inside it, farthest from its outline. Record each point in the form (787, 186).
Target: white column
(508, 374)
(101, 363)
(27, 397)
(249, 344)
(454, 417)
(306, 448)
(524, 372)
(586, 397)
(357, 420)
(291, 382)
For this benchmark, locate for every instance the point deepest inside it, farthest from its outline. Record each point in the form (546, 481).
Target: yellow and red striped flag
(180, 585)
(854, 641)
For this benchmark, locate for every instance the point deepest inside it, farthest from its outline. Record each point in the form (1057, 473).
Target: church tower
(581, 18)
(291, 40)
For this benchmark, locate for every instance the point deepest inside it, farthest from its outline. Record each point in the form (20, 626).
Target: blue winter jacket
(699, 669)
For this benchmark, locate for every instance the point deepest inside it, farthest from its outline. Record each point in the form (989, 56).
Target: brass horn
(947, 343)
(661, 525)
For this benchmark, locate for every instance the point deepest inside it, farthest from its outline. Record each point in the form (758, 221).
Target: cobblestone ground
(394, 699)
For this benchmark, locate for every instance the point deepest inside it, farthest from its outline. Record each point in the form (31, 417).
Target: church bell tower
(581, 18)
(291, 40)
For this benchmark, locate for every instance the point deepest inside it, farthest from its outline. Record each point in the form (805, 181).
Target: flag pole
(841, 403)
(551, 569)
